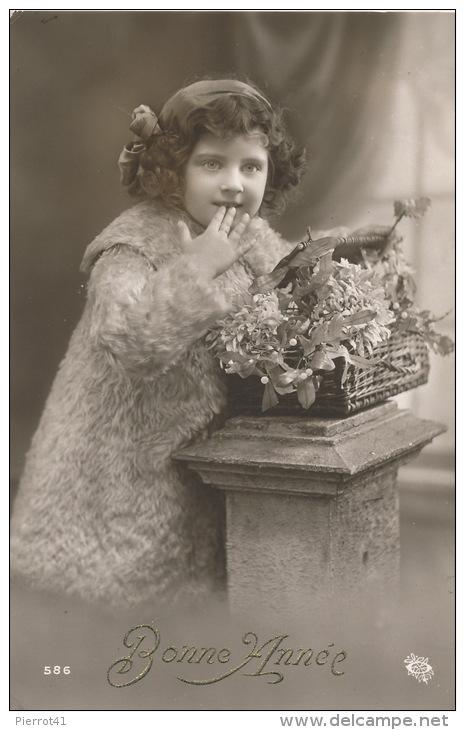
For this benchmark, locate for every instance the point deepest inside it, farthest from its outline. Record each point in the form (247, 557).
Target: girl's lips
(228, 205)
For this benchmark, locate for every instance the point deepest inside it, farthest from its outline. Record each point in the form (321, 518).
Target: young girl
(102, 510)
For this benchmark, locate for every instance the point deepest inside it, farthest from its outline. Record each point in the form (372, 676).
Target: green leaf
(324, 292)
(328, 332)
(265, 283)
(314, 250)
(337, 351)
(283, 391)
(306, 344)
(405, 324)
(318, 335)
(270, 398)
(362, 362)
(366, 315)
(321, 361)
(313, 284)
(274, 370)
(326, 264)
(345, 371)
(281, 332)
(286, 378)
(306, 392)
(334, 329)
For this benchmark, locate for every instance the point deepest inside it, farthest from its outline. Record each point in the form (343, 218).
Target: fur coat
(102, 510)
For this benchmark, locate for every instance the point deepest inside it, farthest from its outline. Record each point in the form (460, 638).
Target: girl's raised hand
(219, 246)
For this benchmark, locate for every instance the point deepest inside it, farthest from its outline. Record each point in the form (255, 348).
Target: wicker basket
(403, 364)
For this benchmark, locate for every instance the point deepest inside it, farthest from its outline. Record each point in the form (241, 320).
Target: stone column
(311, 503)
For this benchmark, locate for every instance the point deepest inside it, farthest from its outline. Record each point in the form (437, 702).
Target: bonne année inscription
(267, 659)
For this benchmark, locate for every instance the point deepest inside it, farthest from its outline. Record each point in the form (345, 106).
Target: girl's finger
(186, 237)
(238, 217)
(240, 227)
(228, 220)
(218, 218)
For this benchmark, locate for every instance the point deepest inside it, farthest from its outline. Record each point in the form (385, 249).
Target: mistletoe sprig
(312, 309)
(289, 337)
(397, 277)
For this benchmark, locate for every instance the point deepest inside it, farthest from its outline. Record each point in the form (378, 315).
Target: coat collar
(152, 229)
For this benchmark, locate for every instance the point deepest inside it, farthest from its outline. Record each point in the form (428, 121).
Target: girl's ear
(266, 208)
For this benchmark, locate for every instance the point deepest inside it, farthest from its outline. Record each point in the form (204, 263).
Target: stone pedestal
(311, 503)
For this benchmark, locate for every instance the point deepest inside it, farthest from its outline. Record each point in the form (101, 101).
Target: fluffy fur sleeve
(143, 319)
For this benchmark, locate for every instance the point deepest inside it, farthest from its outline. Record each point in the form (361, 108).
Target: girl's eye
(211, 164)
(251, 167)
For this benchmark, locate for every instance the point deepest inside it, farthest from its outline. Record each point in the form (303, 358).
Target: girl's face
(231, 172)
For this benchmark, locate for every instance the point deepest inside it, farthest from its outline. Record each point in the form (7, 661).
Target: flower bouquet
(334, 327)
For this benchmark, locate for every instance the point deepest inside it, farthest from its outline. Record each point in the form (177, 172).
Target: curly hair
(162, 165)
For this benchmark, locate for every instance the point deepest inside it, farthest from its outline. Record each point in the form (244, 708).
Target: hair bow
(144, 125)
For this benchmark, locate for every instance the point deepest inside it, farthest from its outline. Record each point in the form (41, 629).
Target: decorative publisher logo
(419, 668)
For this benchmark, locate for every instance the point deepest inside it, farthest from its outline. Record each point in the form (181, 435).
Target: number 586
(57, 670)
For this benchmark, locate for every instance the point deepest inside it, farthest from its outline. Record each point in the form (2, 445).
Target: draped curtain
(334, 73)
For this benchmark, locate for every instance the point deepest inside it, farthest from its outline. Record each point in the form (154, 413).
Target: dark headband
(199, 95)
